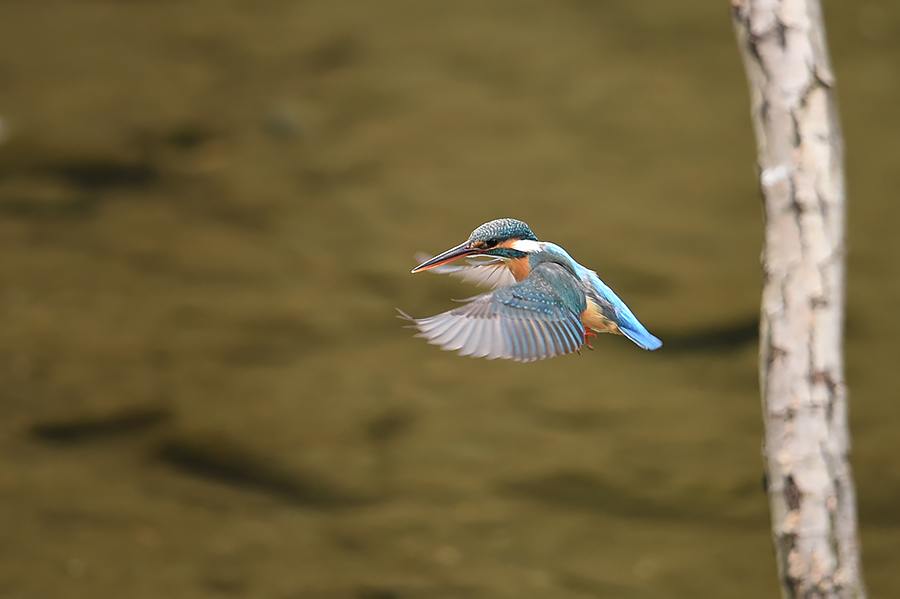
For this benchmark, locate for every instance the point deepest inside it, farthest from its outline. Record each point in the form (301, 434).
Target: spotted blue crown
(503, 228)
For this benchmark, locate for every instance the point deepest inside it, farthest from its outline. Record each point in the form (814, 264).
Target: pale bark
(800, 153)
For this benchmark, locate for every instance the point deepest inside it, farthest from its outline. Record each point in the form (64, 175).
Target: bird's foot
(587, 338)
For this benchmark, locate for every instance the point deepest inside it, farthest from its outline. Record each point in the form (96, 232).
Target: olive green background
(208, 212)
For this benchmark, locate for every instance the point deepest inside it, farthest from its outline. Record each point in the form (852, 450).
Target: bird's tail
(640, 335)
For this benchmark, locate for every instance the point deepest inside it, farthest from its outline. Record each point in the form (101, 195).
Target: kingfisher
(543, 303)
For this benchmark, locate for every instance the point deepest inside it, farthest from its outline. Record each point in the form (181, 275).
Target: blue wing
(534, 319)
(485, 273)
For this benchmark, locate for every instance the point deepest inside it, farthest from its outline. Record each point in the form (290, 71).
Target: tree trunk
(811, 494)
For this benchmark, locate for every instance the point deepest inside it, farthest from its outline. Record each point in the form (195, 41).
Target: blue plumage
(503, 228)
(544, 306)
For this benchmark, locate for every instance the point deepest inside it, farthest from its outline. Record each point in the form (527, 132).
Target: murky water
(208, 213)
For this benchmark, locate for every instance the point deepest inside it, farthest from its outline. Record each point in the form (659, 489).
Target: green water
(208, 212)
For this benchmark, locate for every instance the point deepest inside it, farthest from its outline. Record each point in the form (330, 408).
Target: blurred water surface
(208, 212)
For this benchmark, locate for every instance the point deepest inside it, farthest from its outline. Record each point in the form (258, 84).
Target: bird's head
(503, 238)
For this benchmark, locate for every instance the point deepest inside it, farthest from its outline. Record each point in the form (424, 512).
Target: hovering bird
(543, 304)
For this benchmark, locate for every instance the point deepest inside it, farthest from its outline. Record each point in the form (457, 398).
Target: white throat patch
(526, 245)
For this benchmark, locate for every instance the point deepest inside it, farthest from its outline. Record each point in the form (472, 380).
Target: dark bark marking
(796, 131)
(781, 31)
(818, 302)
(823, 377)
(792, 493)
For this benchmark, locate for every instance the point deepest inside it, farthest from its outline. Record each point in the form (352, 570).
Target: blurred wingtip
(404, 316)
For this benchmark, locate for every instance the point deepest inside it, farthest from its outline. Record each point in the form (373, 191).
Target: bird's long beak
(463, 249)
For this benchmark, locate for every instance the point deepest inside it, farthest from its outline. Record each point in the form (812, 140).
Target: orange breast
(593, 318)
(519, 268)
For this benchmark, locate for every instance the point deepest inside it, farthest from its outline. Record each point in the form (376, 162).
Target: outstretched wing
(534, 319)
(485, 273)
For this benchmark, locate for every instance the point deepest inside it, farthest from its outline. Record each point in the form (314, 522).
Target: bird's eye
(490, 243)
